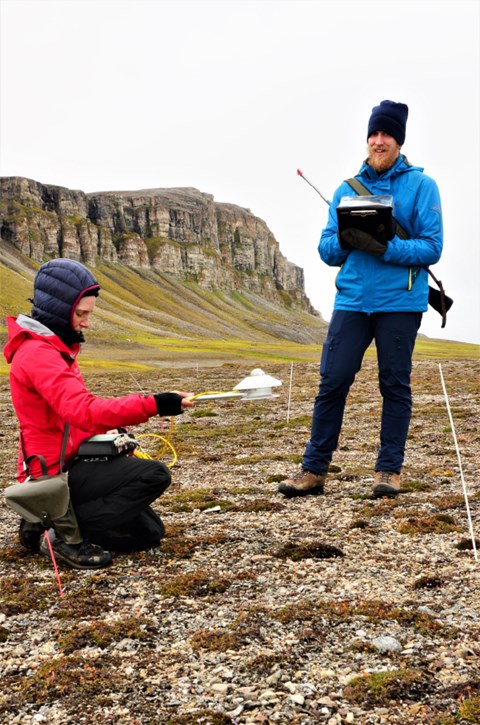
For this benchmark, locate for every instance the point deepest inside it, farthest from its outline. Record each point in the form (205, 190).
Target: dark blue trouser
(349, 334)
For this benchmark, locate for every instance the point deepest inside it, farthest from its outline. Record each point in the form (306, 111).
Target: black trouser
(112, 501)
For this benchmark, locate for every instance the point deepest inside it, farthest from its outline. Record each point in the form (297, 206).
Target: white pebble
(386, 644)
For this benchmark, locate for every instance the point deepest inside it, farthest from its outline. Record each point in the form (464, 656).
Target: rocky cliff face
(182, 232)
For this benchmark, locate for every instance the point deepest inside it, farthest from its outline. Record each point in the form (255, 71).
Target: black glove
(168, 403)
(362, 240)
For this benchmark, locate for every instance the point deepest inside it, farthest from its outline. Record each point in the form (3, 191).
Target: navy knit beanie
(391, 118)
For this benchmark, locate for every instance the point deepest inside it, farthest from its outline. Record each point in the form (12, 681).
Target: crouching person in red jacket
(111, 498)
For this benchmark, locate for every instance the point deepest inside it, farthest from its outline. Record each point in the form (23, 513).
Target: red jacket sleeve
(61, 385)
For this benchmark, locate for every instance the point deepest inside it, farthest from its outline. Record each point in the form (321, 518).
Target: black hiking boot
(30, 534)
(79, 556)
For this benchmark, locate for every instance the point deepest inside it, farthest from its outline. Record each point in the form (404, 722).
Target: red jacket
(48, 391)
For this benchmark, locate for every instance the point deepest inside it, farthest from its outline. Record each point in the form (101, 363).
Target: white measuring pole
(470, 524)
(290, 392)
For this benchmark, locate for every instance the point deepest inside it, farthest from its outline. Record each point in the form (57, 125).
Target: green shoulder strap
(362, 190)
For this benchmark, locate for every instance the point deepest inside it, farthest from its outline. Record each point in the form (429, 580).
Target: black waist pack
(107, 445)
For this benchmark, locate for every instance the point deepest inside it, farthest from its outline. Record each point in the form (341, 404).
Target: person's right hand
(187, 399)
(173, 403)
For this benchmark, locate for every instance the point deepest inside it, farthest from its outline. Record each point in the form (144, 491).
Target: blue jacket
(398, 280)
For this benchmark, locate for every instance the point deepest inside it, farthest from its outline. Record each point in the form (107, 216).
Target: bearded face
(383, 151)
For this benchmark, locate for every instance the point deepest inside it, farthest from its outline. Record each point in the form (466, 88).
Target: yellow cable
(141, 453)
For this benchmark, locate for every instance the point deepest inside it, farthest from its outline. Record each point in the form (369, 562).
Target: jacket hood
(58, 287)
(24, 327)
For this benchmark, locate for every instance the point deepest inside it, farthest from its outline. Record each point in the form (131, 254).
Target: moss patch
(102, 634)
(299, 550)
(436, 524)
(379, 688)
(195, 584)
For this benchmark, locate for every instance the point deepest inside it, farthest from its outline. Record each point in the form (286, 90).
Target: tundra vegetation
(255, 609)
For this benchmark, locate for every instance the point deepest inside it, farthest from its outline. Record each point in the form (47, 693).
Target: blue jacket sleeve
(424, 224)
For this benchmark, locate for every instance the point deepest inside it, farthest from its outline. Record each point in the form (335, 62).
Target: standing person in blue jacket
(382, 291)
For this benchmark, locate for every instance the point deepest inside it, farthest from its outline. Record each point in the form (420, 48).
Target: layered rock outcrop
(180, 231)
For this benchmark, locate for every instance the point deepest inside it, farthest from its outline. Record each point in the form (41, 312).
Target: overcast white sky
(232, 96)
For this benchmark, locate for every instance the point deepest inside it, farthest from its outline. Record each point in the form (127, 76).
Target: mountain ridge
(222, 279)
(180, 231)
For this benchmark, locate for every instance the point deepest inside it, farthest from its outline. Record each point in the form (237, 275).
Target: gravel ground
(256, 609)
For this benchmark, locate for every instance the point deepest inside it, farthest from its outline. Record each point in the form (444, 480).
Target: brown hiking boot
(387, 484)
(303, 483)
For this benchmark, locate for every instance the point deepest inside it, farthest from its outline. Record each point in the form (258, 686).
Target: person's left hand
(364, 241)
